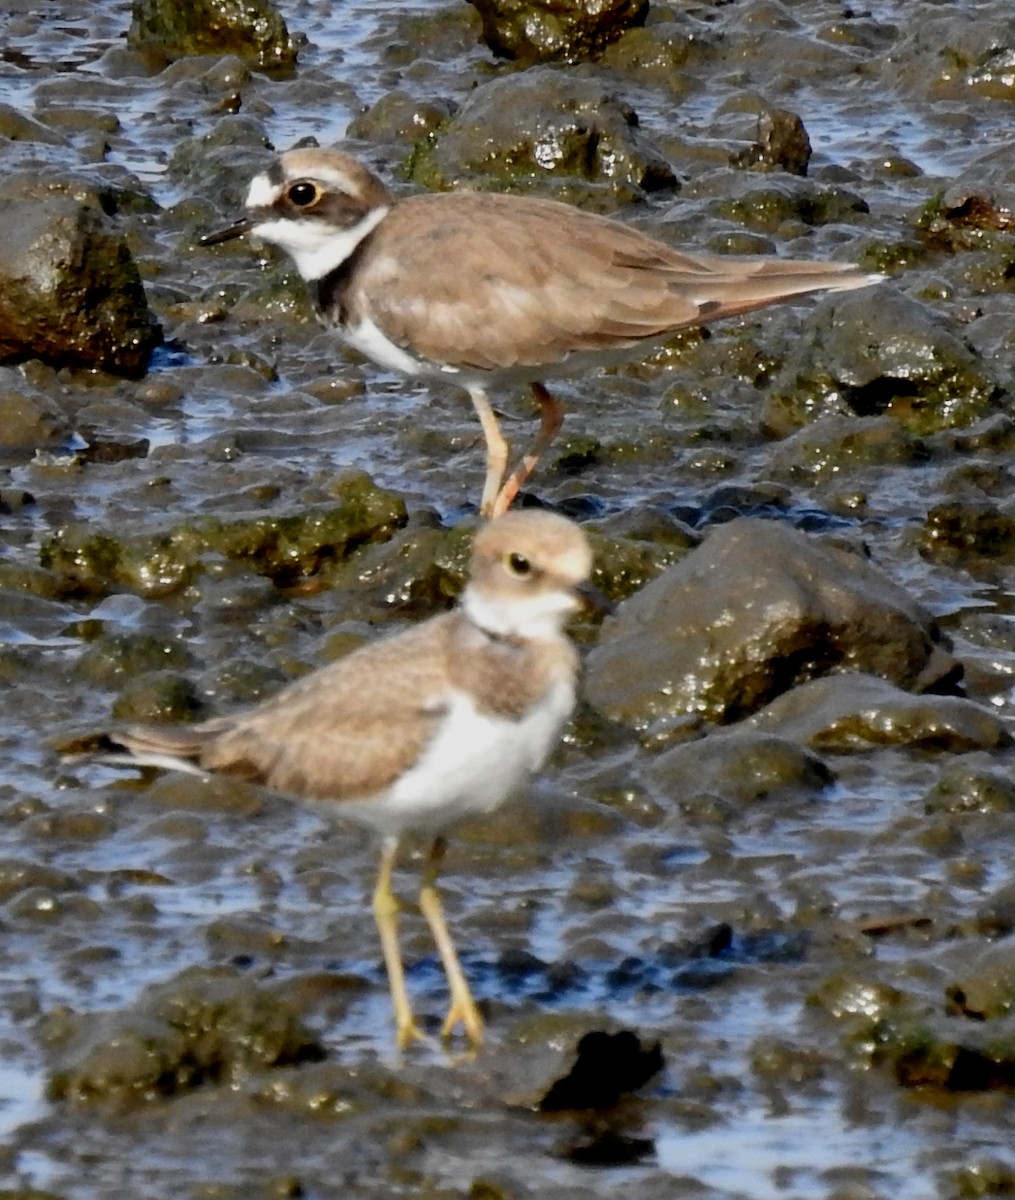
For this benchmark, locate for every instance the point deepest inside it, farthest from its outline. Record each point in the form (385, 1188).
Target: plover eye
(518, 564)
(304, 193)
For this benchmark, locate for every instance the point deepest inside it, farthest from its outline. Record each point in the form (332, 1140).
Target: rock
(159, 696)
(30, 421)
(283, 547)
(205, 1026)
(960, 530)
(906, 364)
(743, 766)
(856, 712)
(252, 29)
(70, 292)
(548, 130)
(573, 1061)
(834, 448)
(972, 784)
(556, 30)
(782, 145)
(754, 611)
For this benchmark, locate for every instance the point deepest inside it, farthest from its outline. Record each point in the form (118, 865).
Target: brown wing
(343, 732)
(516, 281)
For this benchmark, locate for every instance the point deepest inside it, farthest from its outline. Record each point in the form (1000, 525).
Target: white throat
(316, 247)
(539, 616)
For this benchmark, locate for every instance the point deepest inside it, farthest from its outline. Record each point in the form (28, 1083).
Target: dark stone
(70, 292)
(756, 610)
(855, 712)
(782, 145)
(556, 30)
(906, 364)
(548, 130)
(252, 29)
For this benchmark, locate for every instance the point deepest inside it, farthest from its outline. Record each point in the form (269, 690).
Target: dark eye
(518, 564)
(304, 193)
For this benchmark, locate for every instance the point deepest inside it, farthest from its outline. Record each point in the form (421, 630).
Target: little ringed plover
(488, 289)
(412, 732)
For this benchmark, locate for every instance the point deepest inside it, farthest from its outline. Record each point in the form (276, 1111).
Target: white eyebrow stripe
(262, 193)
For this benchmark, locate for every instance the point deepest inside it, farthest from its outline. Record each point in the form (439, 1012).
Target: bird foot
(465, 1013)
(407, 1032)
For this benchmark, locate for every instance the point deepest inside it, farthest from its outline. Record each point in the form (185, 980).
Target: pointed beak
(237, 229)
(593, 600)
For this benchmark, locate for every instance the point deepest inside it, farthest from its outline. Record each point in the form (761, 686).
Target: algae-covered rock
(70, 292)
(782, 145)
(206, 1026)
(283, 547)
(574, 1061)
(854, 711)
(973, 783)
(833, 448)
(546, 130)
(158, 696)
(755, 610)
(556, 30)
(252, 29)
(744, 766)
(956, 531)
(881, 353)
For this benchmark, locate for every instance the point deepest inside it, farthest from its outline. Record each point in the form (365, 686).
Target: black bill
(237, 229)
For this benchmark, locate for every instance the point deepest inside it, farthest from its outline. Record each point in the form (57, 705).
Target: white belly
(475, 762)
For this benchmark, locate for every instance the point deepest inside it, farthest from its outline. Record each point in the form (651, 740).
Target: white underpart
(316, 247)
(368, 339)
(538, 616)
(475, 762)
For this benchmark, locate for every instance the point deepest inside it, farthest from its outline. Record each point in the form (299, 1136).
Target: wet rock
(853, 712)
(779, 202)
(283, 547)
(30, 421)
(754, 611)
(743, 766)
(782, 145)
(985, 989)
(399, 116)
(974, 783)
(558, 30)
(658, 52)
(70, 292)
(905, 363)
(206, 1026)
(957, 531)
(996, 915)
(159, 696)
(573, 1061)
(111, 658)
(835, 447)
(18, 127)
(252, 29)
(19, 875)
(549, 130)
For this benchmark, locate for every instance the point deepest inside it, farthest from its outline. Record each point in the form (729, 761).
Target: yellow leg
(496, 450)
(463, 1008)
(386, 916)
(551, 419)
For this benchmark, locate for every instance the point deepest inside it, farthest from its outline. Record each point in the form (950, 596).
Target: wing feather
(515, 281)
(328, 736)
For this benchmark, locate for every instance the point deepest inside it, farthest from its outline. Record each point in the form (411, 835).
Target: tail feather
(177, 749)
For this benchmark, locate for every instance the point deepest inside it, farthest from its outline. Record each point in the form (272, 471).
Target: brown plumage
(488, 289)
(415, 731)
